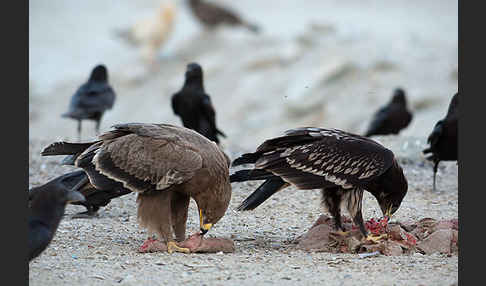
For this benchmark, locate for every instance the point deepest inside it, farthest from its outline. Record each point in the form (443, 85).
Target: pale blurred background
(315, 63)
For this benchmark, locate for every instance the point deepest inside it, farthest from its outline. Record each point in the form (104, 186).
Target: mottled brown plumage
(342, 164)
(166, 165)
(212, 15)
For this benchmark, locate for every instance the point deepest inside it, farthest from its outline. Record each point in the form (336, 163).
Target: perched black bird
(212, 15)
(194, 106)
(92, 99)
(341, 164)
(94, 198)
(391, 118)
(46, 209)
(443, 139)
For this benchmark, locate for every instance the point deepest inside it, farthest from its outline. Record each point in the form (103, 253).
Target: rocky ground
(326, 64)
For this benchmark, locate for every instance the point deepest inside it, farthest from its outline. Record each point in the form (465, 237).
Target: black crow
(443, 139)
(391, 118)
(92, 99)
(194, 106)
(46, 209)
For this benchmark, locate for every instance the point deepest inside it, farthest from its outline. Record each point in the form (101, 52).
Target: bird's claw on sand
(173, 247)
(375, 238)
(191, 244)
(341, 233)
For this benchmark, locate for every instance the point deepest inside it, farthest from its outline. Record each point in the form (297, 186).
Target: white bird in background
(150, 34)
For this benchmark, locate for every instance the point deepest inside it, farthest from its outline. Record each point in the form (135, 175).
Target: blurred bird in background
(151, 33)
(391, 118)
(194, 106)
(46, 209)
(92, 99)
(443, 139)
(211, 15)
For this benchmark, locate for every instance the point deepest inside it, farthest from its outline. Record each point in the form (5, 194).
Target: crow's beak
(73, 196)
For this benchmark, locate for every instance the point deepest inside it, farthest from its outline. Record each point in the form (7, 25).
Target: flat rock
(317, 238)
(445, 224)
(440, 241)
(392, 248)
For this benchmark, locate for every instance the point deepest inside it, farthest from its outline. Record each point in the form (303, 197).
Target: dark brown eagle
(166, 165)
(443, 139)
(339, 163)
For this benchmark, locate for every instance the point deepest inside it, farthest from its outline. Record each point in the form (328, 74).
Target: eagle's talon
(341, 232)
(173, 247)
(375, 238)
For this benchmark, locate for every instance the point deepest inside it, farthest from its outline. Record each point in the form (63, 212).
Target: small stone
(353, 243)
(437, 242)
(317, 237)
(445, 224)
(392, 249)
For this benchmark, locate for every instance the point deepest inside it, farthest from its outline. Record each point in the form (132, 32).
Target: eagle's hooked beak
(388, 212)
(204, 227)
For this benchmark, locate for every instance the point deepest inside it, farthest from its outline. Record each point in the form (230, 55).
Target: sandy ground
(325, 63)
(103, 250)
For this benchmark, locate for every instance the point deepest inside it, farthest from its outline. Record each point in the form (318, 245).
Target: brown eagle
(166, 165)
(339, 163)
